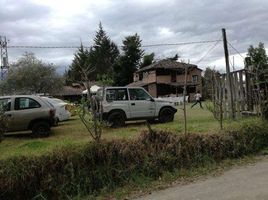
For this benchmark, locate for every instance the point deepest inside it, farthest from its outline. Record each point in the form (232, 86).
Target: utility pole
(4, 57)
(228, 75)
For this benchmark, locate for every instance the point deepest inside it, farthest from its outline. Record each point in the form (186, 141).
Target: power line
(182, 43)
(209, 51)
(236, 50)
(76, 47)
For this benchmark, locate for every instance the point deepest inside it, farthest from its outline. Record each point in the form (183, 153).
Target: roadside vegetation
(79, 170)
(73, 132)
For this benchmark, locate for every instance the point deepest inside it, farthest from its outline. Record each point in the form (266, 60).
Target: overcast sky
(67, 22)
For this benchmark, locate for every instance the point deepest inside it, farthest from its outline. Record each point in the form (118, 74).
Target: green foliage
(103, 53)
(128, 63)
(81, 60)
(73, 171)
(147, 60)
(105, 80)
(30, 75)
(258, 55)
(88, 116)
(99, 59)
(259, 60)
(265, 109)
(3, 123)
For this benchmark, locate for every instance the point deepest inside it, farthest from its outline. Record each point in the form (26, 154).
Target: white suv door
(141, 103)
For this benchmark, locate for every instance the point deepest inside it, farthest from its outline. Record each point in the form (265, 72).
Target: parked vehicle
(120, 104)
(62, 113)
(28, 112)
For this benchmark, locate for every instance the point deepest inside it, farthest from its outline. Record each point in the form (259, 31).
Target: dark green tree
(129, 61)
(259, 60)
(147, 60)
(103, 54)
(257, 55)
(30, 75)
(81, 59)
(174, 58)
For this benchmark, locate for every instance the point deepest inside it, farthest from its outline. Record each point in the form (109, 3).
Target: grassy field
(73, 132)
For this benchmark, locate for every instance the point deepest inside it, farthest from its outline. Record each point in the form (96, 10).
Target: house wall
(155, 82)
(180, 78)
(163, 79)
(149, 77)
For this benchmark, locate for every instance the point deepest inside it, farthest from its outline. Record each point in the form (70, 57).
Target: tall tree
(147, 60)
(103, 54)
(258, 55)
(259, 60)
(129, 61)
(81, 59)
(30, 75)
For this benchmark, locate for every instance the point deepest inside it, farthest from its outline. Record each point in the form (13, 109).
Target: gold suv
(28, 112)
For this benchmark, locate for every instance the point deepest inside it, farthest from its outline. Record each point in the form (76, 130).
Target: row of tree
(30, 75)
(104, 62)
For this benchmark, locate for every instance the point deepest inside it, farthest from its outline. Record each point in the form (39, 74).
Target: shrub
(265, 110)
(3, 124)
(72, 171)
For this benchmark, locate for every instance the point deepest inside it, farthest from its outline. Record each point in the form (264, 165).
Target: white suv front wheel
(116, 119)
(166, 115)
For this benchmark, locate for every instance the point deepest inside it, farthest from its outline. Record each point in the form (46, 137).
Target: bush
(265, 110)
(72, 171)
(3, 124)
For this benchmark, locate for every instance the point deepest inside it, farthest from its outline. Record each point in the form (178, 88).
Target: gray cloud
(173, 21)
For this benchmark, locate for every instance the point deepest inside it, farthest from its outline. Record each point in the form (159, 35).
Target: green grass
(73, 132)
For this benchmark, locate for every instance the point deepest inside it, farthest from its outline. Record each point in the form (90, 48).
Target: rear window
(26, 103)
(116, 94)
(5, 104)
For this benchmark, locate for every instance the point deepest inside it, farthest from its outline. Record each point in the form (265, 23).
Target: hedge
(72, 171)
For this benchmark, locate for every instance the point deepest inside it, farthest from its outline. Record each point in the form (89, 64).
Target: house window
(195, 78)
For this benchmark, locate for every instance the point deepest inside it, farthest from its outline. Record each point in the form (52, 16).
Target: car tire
(116, 119)
(41, 129)
(166, 115)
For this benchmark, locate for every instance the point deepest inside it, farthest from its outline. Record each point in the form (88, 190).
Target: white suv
(120, 104)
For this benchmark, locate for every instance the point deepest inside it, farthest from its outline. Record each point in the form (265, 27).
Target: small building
(72, 93)
(166, 78)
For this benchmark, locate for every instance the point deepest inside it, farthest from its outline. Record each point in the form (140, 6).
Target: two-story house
(167, 77)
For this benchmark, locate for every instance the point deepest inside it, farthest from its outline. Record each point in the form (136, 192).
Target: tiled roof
(167, 64)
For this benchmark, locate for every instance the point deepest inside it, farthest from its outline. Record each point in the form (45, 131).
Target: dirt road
(243, 183)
